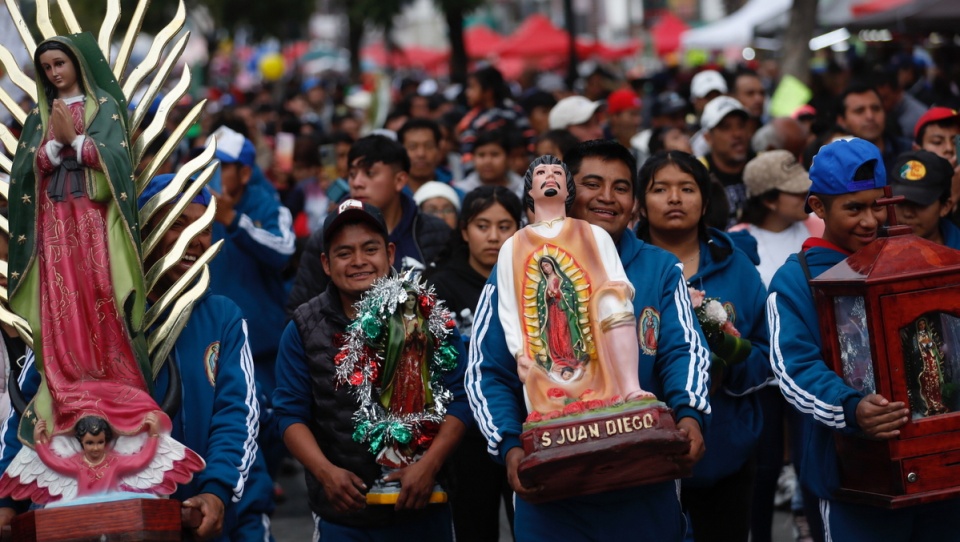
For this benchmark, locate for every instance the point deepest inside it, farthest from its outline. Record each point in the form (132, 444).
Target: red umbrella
(480, 41)
(666, 32)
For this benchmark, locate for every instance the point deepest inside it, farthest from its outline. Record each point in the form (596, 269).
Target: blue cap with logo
(846, 166)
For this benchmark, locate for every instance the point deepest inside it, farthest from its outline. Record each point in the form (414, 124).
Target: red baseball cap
(621, 100)
(935, 114)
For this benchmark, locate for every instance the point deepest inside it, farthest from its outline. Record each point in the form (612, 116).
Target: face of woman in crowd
(790, 206)
(672, 201)
(60, 72)
(441, 208)
(485, 234)
(473, 92)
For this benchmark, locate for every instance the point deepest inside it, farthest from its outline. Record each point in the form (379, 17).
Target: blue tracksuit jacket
(827, 405)
(677, 373)
(950, 233)
(258, 244)
(736, 420)
(218, 417)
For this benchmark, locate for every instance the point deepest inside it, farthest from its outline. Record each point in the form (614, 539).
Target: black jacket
(318, 322)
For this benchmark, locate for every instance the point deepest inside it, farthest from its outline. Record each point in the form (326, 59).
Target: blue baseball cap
(835, 167)
(233, 148)
(160, 182)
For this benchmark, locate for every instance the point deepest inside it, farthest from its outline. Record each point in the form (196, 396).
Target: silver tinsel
(374, 309)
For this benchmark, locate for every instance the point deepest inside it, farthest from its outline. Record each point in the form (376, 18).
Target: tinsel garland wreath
(361, 357)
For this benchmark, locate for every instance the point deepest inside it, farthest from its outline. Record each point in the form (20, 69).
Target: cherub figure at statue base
(93, 466)
(566, 309)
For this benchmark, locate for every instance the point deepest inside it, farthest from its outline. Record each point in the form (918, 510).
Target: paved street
(292, 521)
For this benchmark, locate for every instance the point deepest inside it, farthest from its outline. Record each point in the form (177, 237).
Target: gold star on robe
(26, 198)
(22, 239)
(15, 275)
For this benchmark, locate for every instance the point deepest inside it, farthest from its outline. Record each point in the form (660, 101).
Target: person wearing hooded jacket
(673, 366)
(379, 168)
(673, 205)
(848, 178)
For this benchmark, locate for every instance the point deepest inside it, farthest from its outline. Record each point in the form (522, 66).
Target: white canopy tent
(738, 29)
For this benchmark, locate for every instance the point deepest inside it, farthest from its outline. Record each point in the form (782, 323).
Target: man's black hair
(606, 151)
(537, 99)
(377, 148)
(420, 124)
(495, 137)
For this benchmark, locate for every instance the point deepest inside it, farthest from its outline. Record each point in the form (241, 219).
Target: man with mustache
(861, 114)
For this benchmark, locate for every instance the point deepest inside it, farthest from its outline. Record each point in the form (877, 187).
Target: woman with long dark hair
(489, 216)
(675, 196)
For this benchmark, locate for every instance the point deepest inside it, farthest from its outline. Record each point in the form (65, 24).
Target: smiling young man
(316, 415)
(674, 366)
(848, 177)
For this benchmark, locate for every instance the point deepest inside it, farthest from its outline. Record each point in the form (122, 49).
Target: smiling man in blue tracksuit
(847, 180)
(673, 366)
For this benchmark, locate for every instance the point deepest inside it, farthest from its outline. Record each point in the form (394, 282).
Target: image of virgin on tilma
(930, 345)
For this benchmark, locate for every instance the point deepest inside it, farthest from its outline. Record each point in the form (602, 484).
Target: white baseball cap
(718, 108)
(706, 82)
(571, 111)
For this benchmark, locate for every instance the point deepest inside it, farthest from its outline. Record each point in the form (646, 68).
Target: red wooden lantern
(890, 322)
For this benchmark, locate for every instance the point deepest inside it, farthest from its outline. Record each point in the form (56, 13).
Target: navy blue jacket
(258, 244)
(736, 420)
(807, 382)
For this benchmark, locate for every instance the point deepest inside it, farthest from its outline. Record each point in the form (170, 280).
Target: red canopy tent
(876, 6)
(537, 37)
(480, 41)
(666, 32)
(430, 60)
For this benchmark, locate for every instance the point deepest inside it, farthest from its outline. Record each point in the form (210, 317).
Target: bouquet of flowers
(727, 348)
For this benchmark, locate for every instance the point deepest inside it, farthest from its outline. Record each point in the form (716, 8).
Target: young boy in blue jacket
(219, 413)
(848, 177)
(674, 367)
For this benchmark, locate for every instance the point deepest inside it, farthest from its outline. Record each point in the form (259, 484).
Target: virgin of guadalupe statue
(75, 272)
(406, 371)
(557, 309)
(931, 369)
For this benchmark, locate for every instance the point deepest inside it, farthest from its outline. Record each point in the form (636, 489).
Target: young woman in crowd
(674, 199)
(489, 216)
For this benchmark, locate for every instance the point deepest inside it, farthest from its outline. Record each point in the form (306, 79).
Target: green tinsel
(370, 325)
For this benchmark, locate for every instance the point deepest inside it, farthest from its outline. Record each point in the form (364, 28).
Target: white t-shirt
(775, 247)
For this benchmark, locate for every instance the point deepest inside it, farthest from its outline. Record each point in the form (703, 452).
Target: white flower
(715, 312)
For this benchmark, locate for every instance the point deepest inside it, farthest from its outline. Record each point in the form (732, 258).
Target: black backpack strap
(802, 256)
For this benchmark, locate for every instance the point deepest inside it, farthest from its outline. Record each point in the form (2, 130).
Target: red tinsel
(426, 305)
(338, 359)
(356, 378)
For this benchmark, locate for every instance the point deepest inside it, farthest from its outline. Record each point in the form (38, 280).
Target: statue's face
(549, 182)
(546, 266)
(410, 303)
(94, 446)
(60, 72)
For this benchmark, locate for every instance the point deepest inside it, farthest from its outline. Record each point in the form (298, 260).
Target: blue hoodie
(950, 233)
(217, 418)
(737, 419)
(807, 382)
(258, 244)
(677, 372)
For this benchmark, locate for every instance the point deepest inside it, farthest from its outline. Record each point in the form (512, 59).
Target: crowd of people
(700, 191)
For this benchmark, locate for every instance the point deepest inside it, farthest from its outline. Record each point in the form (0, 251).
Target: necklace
(695, 255)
